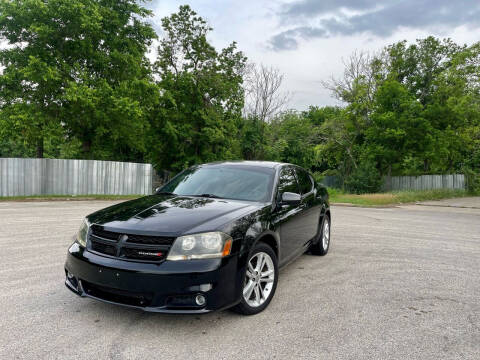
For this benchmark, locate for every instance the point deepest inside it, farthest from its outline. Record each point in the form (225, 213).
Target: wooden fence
(24, 177)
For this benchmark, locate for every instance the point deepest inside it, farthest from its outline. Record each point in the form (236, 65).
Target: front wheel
(323, 243)
(260, 282)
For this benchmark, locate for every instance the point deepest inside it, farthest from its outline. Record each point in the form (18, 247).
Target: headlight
(82, 233)
(201, 246)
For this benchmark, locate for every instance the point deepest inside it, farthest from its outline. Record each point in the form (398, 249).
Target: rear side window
(287, 181)
(304, 180)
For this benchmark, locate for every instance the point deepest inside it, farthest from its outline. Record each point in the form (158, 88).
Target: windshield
(227, 182)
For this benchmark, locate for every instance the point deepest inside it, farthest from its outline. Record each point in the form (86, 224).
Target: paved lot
(465, 202)
(399, 283)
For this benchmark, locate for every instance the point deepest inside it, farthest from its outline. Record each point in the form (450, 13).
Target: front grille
(110, 235)
(104, 248)
(116, 295)
(150, 240)
(127, 246)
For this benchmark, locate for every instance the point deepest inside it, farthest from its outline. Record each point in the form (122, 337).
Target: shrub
(472, 180)
(364, 179)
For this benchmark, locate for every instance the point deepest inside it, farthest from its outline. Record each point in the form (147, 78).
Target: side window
(304, 180)
(287, 181)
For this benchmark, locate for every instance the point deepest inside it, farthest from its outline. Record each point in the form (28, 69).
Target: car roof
(265, 164)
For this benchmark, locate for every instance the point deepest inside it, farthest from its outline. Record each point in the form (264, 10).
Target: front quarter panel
(246, 231)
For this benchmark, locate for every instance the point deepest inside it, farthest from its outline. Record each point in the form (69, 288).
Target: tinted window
(287, 181)
(228, 182)
(304, 181)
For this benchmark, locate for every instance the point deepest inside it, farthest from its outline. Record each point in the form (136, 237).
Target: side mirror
(289, 198)
(158, 189)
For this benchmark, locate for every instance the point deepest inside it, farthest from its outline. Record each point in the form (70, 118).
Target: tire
(258, 290)
(323, 242)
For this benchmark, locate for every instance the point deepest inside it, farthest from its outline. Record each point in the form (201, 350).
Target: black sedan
(212, 238)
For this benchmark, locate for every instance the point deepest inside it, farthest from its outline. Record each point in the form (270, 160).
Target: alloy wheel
(326, 235)
(259, 279)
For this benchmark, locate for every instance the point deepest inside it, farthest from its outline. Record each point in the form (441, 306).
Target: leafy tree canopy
(202, 88)
(77, 66)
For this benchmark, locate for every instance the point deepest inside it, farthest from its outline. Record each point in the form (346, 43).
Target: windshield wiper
(165, 193)
(207, 196)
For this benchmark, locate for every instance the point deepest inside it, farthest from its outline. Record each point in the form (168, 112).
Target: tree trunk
(40, 148)
(426, 165)
(86, 147)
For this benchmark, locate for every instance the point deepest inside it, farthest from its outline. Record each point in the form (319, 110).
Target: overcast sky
(307, 39)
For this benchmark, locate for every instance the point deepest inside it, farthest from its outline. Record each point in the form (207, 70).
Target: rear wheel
(260, 281)
(323, 243)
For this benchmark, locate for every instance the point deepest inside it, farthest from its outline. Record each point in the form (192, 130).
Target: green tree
(77, 66)
(252, 138)
(342, 132)
(398, 132)
(418, 65)
(455, 111)
(319, 115)
(290, 138)
(202, 95)
(339, 143)
(412, 109)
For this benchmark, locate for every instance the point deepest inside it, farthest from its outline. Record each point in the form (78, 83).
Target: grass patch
(69, 197)
(392, 198)
(336, 196)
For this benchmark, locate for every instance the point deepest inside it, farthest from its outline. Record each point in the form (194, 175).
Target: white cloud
(253, 23)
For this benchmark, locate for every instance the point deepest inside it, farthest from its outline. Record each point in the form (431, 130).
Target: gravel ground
(398, 283)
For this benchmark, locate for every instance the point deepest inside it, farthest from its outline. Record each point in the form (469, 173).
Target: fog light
(72, 280)
(200, 300)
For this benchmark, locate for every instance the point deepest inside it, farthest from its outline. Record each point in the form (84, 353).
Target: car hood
(171, 215)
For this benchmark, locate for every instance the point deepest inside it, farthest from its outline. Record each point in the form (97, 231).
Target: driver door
(288, 216)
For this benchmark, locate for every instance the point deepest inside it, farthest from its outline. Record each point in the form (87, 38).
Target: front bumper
(168, 287)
